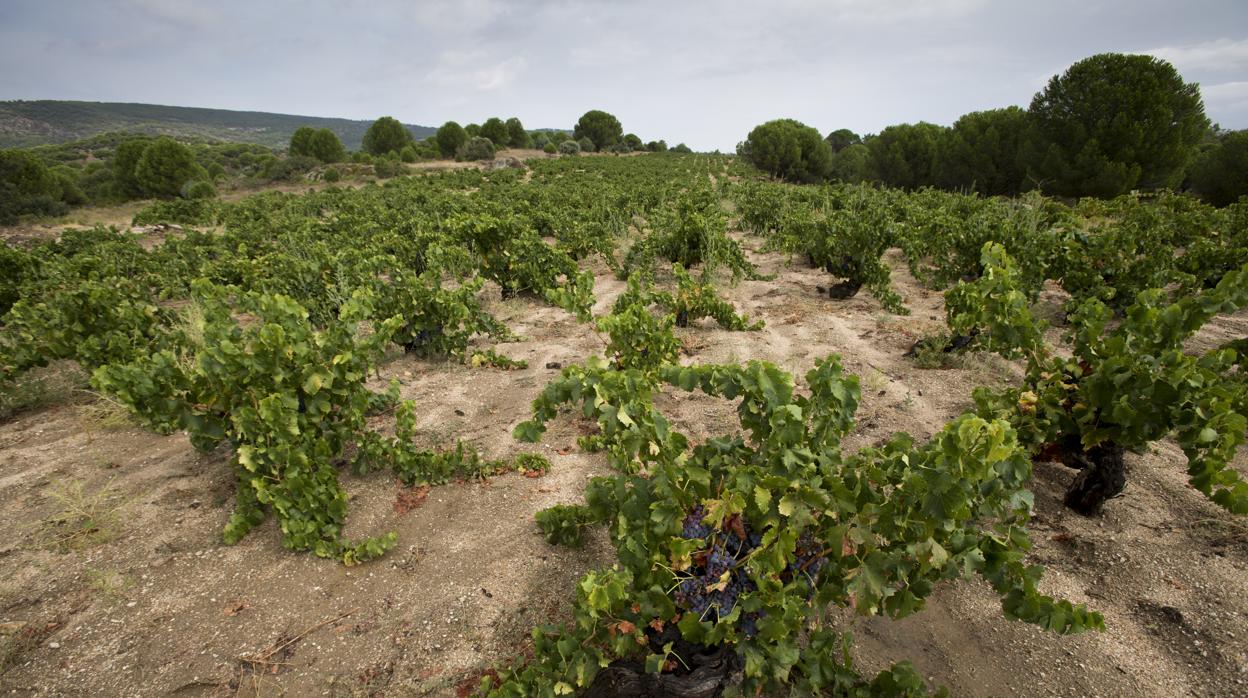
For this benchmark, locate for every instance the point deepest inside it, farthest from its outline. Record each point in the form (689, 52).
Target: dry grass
(84, 517)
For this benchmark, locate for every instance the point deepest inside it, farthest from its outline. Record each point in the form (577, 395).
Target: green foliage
(1126, 387)
(27, 186)
(1112, 123)
(904, 155)
(1220, 174)
(477, 148)
(586, 144)
(320, 144)
(639, 340)
(565, 524)
(981, 153)
(386, 135)
(788, 149)
(517, 137)
(551, 149)
(287, 396)
(332, 175)
(164, 168)
(851, 164)
(994, 309)
(691, 301)
(632, 142)
(496, 130)
(602, 129)
(451, 137)
(125, 162)
(884, 527)
(193, 211)
(681, 148)
(199, 189)
(693, 231)
(569, 147)
(841, 139)
(436, 320)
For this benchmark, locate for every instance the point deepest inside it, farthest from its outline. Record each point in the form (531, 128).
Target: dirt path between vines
(157, 605)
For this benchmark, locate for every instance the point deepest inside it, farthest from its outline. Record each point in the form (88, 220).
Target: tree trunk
(1103, 476)
(710, 670)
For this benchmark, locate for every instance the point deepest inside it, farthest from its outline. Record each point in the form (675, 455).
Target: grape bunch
(808, 560)
(717, 578)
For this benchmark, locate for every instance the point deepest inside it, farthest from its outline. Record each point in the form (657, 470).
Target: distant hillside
(24, 123)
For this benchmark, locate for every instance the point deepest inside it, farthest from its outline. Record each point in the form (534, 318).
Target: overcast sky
(700, 72)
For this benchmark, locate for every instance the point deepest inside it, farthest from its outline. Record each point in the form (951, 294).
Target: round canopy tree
(788, 149)
(495, 130)
(842, 138)
(326, 146)
(517, 137)
(1112, 123)
(905, 155)
(450, 138)
(603, 129)
(1220, 174)
(981, 151)
(386, 135)
(166, 165)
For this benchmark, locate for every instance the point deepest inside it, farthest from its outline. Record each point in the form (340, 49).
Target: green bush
(408, 154)
(681, 148)
(517, 137)
(451, 137)
(602, 130)
(386, 135)
(551, 148)
(199, 189)
(288, 169)
(1112, 123)
(1220, 174)
(477, 148)
(788, 149)
(904, 155)
(386, 168)
(198, 212)
(332, 175)
(125, 160)
(495, 130)
(587, 145)
(569, 147)
(165, 166)
(27, 186)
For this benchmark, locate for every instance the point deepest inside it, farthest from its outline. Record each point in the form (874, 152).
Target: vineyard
(648, 425)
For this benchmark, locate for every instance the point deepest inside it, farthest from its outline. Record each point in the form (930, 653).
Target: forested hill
(25, 123)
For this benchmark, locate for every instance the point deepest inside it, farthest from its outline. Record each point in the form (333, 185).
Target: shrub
(632, 141)
(199, 189)
(1112, 123)
(386, 168)
(587, 145)
(288, 169)
(495, 130)
(477, 148)
(325, 146)
(851, 164)
(408, 154)
(569, 147)
(27, 186)
(551, 148)
(1220, 174)
(681, 148)
(517, 137)
(386, 135)
(451, 137)
(125, 160)
(199, 212)
(904, 155)
(788, 149)
(600, 128)
(165, 166)
(981, 152)
(332, 175)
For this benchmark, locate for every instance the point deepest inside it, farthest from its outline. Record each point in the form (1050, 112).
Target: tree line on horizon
(1110, 124)
(117, 167)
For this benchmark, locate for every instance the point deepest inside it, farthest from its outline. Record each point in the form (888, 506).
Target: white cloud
(464, 70)
(1220, 55)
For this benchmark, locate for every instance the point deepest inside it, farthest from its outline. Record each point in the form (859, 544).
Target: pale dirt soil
(164, 608)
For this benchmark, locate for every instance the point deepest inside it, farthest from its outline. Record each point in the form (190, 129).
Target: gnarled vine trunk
(1102, 476)
(710, 671)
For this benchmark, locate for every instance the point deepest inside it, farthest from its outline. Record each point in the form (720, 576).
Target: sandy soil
(159, 606)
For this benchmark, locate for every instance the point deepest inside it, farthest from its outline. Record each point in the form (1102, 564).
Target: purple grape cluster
(725, 552)
(700, 591)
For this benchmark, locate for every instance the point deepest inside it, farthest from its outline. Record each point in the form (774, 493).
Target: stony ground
(148, 601)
